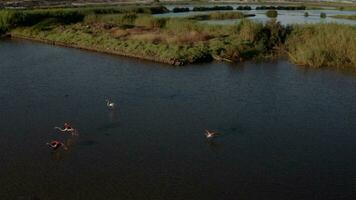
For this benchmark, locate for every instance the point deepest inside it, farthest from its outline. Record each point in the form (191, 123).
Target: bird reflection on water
(60, 153)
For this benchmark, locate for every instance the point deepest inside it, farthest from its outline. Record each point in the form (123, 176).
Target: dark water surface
(288, 133)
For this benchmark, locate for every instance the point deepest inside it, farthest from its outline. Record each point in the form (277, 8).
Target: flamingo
(110, 104)
(55, 144)
(67, 128)
(210, 134)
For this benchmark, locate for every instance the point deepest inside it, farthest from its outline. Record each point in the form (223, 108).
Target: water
(286, 17)
(288, 133)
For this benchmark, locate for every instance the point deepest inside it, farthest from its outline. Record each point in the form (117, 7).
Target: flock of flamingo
(67, 128)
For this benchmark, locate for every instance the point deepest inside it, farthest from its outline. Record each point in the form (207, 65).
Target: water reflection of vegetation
(181, 41)
(272, 13)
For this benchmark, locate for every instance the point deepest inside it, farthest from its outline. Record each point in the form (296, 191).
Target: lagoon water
(287, 132)
(285, 17)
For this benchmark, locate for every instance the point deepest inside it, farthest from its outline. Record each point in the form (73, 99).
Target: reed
(323, 45)
(219, 16)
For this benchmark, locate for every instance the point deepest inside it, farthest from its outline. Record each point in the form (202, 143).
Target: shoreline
(106, 51)
(134, 32)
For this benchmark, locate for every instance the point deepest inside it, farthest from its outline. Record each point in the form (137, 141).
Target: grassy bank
(137, 33)
(173, 41)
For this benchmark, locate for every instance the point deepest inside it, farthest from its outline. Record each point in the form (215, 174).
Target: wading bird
(110, 104)
(210, 134)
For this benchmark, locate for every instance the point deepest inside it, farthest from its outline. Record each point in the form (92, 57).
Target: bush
(6, 18)
(243, 8)
(175, 10)
(280, 8)
(306, 14)
(272, 13)
(213, 8)
(323, 45)
(322, 15)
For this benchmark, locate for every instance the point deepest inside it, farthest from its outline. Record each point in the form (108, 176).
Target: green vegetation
(213, 8)
(5, 21)
(244, 8)
(306, 14)
(174, 41)
(350, 17)
(322, 15)
(135, 32)
(272, 13)
(280, 8)
(220, 16)
(179, 9)
(347, 8)
(324, 45)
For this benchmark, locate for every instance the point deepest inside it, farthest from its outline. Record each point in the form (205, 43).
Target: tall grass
(6, 17)
(16, 18)
(323, 45)
(219, 16)
(150, 22)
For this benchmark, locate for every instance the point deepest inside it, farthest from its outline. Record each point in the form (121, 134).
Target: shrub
(180, 10)
(323, 45)
(322, 15)
(272, 13)
(213, 8)
(306, 14)
(6, 18)
(243, 8)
